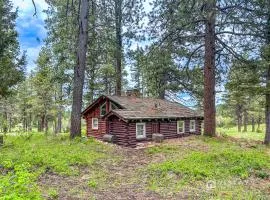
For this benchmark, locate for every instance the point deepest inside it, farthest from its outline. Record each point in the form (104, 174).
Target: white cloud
(32, 55)
(26, 7)
(31, 28)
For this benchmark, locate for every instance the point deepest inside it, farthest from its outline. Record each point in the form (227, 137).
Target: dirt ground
(122, 181)
(118, 180)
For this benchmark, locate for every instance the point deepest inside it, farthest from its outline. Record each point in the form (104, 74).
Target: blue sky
(30, 28)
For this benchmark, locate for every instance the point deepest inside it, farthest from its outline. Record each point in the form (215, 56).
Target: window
(113, 106)
(95, 123)
(140, 130)
(192, 126)
(180, 127)
(103, 109)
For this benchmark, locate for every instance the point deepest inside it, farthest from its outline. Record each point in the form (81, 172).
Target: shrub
(19, 184)
(53, 194)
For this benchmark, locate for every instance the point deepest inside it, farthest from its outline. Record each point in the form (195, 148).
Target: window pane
(140, 130)
(95, 123)
(181, 125)
(103, 110)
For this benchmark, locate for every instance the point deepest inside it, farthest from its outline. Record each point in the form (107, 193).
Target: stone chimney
(133, 93)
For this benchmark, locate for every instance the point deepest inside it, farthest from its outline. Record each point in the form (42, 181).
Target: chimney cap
(133, 93)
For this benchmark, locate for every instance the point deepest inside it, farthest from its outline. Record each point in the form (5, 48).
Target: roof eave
(92, 105)
(96, 101)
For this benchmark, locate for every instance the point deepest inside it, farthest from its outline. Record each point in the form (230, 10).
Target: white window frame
(192, 121)
(144, 131)
(178, 126)
(94, 127)
(100, 109)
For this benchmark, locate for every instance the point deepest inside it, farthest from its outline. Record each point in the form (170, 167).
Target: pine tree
(11, 63)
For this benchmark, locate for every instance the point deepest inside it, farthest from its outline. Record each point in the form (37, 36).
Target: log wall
(119, 129)
(102, 123)
(167, 128)
(125, 132)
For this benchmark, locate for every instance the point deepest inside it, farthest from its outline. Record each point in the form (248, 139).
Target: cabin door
(155, 127)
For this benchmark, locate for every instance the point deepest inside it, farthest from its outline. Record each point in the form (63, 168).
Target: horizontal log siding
(102, 123)
(120, 130)
(126, 132)
(169, 129)
(150, 129)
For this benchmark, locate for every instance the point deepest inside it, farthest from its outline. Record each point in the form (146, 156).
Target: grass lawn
(34, 166)
(258, 135)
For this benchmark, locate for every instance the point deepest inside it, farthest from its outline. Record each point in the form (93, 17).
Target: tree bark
(46, 126)
(259, 123)
(93, 54)
(42, 123)
(10, 123)
(79, 71)
(1, 140)
(5, 129)
(267, 96)
(239, 117)
(209, 70)
(118, 50)
(58, 123)
(245, 120)
(253, 124)
(163, 81)
(30, 122)
(39, 126)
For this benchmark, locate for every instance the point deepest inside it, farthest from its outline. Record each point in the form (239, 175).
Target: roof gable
(147, 108)
(97, 101)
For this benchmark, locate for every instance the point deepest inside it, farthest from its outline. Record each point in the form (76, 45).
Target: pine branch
(35, 8)
(240, 34)
(230, 49)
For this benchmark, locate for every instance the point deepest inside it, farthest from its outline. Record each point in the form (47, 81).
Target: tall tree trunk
(245, 120)
(118, 51)
(93, 54)
(79, 71)
(209, 70)
(30, 122)
(10, 123)
(259, 123)
(253, 124)
(59, 121)
(39, 126)
(24, 118)
(58, 124)
(5, 129)
(163, 80)
(239, 117)
(239, 124)
(267, 109)
(46, 125)
(267, 96)
(42, 123)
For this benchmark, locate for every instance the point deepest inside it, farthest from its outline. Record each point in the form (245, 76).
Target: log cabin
(130, 120)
